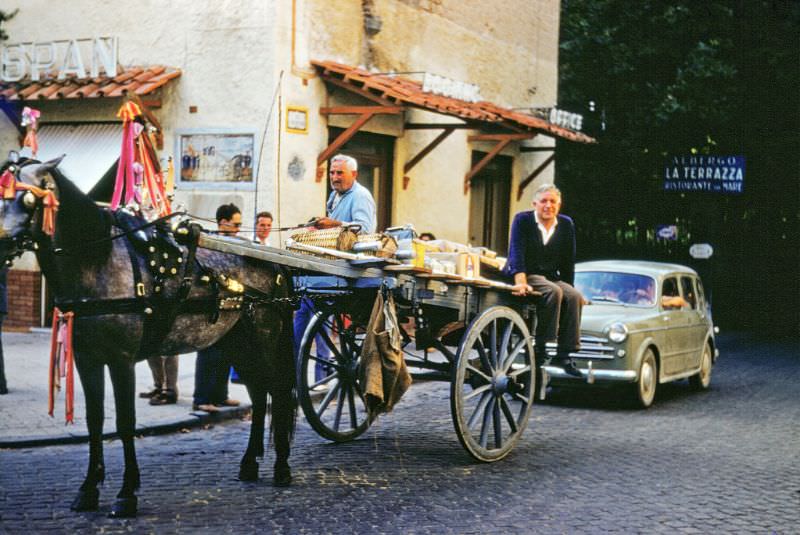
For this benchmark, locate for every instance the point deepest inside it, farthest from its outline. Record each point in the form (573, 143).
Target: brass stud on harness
(151, 249)
(173, 271)
(148, 311)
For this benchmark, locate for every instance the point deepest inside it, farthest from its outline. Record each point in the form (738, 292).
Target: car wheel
(702, 379)
(648, 380)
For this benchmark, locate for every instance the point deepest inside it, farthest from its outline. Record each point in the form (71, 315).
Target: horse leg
(93, 382)
(248, 469)
(282, 425)
(124, 380)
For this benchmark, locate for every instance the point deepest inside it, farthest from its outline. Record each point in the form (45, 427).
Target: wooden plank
(481, 164)
(354, 89)
(424, 152)
(343, 138)
(436, 126)
(533, 175)
(358, 110)
(500, 137)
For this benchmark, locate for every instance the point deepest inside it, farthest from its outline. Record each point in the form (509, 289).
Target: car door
(697, 325)
(674, 321)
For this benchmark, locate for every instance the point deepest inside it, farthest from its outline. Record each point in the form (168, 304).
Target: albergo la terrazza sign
(716, 174)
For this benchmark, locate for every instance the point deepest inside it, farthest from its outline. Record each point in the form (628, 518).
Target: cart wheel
(493, 385)
(333, 403)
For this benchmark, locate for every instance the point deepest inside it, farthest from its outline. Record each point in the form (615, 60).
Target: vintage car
(646, 323)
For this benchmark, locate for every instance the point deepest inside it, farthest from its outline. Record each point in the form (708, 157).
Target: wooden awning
(391, 94)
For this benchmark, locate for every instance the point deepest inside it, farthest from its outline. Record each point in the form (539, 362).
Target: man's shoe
(167, 397)
(228, 403)
(150, 393)
(3, 391)
(571, 369)
(207, 407)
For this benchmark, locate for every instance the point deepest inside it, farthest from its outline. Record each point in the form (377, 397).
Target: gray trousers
(165, 372)
(558, 314)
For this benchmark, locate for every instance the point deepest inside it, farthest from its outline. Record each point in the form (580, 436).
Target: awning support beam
(343, 138)
(502, 141)
(424, 152)
(532, 176)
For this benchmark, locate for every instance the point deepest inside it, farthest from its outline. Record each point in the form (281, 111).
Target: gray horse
(100, 265)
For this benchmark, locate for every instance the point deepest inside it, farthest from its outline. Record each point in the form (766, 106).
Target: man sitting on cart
(541, 258)
(349, 203)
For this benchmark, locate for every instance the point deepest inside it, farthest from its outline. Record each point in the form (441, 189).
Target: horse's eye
(29, 200)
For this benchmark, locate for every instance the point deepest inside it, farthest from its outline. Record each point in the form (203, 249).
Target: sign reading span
(716, 174)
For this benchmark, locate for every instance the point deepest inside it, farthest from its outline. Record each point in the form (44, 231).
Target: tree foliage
(5, 16)
(681, 77)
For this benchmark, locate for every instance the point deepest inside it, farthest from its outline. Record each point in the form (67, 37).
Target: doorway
(374, 153)
(489, 203)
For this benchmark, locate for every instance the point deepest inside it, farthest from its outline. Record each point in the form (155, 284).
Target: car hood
(595, 318)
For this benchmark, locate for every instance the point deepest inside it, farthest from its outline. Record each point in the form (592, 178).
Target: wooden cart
(468, 333)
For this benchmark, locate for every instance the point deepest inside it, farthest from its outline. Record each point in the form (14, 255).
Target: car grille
(592, 347)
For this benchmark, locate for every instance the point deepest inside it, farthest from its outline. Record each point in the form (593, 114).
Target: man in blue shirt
(541, 257)
(349, 203)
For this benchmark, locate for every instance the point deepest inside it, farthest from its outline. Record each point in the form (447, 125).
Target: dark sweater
(527, 254)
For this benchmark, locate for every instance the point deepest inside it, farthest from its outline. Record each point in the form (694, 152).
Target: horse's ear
(43, 171)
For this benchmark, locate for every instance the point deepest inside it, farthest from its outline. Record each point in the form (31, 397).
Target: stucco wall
(225, 52)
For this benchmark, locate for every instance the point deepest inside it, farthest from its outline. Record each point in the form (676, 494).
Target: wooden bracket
(532, 176)
(501, 144)
(424, 152)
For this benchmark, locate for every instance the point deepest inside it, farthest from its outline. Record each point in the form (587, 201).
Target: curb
(194, 419)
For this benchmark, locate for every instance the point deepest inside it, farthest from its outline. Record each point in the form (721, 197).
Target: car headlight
(618, 332)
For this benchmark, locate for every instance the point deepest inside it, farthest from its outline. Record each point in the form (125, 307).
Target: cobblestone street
(721, 461)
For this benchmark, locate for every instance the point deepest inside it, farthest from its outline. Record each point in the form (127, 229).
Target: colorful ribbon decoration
(62, 363)
(138, 177)
(30, 120)
(49, 202)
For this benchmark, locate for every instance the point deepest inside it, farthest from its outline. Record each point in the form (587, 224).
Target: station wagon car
(646, 323)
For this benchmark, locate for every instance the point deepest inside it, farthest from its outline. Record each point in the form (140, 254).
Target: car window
(688, 291)
(616, 288)
(670, 295)
(701, 296)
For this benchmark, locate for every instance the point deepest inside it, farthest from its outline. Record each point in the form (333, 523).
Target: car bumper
(591, 375)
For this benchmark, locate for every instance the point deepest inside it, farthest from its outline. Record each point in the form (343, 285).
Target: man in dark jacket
(541, 258)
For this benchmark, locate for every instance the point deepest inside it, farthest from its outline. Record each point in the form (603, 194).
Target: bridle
(33, 198)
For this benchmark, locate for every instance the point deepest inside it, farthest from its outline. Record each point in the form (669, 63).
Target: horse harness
(165, 259)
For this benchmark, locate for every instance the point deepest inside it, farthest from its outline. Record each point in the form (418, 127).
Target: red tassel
(62, 363)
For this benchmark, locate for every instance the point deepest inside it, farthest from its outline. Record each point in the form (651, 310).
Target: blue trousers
(301, 320)
(211, 376)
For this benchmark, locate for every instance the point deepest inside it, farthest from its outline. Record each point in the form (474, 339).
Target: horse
(101, 266)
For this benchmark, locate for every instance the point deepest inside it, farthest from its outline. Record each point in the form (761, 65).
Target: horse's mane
(79, 220)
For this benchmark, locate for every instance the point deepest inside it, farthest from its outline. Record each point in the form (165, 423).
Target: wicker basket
(344, 239)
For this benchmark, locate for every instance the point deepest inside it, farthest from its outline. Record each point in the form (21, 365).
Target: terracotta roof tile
(409, 92)
(141, 80)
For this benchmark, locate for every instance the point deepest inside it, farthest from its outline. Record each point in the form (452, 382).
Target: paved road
(722, 461)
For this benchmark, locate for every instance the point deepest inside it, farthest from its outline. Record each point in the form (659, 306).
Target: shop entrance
(374, 153)
(490, 196)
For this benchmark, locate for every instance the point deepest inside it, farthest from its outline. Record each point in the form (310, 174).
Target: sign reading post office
(715, 174)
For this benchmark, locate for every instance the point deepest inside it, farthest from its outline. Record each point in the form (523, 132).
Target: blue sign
(667, 232)
(716, 174)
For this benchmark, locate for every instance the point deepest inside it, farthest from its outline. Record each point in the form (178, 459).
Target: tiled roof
(403, 91)
(140, 80)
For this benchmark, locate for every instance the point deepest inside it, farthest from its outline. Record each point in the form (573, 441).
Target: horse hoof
(248, 471)
(86, 500)
(124, 508)
(282, 477)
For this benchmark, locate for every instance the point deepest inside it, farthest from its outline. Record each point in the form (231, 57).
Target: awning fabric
(91, 149)
(398, 90)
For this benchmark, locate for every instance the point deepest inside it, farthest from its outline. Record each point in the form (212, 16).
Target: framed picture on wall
(216, 158)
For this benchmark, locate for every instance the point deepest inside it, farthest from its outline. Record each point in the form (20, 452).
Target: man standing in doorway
(542, 258)
(263, 228)
(348, 203)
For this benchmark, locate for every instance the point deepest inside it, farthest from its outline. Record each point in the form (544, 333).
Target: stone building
(436, 98)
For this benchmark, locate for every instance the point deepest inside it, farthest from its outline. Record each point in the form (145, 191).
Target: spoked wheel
(493, 384)
(327, 377)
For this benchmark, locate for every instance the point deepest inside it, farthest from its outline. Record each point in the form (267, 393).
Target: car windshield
(618, 288)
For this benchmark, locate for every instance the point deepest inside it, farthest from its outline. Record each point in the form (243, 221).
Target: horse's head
(28, 195)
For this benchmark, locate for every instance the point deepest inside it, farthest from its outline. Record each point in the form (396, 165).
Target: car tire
(702, 379)
(646, 384)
